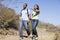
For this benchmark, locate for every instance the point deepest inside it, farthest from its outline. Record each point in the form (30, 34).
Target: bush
(8, 17)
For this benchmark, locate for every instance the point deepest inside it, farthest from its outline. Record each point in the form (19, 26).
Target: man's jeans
(34, 25)
(24, 24)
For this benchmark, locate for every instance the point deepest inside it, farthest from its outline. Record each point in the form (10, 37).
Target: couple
(25, 17)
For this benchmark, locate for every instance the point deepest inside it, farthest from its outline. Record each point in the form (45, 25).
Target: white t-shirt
(25, 14)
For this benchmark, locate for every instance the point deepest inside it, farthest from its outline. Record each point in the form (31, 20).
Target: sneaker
(34, 37)
(21, 39)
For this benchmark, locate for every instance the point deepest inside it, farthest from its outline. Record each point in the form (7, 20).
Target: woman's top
(35, 15)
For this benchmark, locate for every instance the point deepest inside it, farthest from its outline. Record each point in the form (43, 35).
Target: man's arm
(29, 16)
(20, 14)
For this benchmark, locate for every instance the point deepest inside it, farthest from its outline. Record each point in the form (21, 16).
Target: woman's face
(35, 7)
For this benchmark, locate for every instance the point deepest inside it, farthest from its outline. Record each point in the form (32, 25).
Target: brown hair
(25, 3)
(37, 6)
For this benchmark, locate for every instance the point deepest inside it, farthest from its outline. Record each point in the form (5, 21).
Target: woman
(35, 20)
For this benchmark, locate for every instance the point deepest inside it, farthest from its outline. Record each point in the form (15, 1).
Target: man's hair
(25, 3)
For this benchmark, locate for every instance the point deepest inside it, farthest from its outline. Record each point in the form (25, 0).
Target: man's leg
(26, 27)
(21, 29)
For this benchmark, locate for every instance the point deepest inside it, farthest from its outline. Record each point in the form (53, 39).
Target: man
(24, 19)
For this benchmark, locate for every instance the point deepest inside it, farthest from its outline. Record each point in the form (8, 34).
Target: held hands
(29, 18)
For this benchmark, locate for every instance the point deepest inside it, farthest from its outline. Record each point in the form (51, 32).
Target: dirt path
(43, 35)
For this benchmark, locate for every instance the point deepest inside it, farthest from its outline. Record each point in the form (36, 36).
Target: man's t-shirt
(24, 14)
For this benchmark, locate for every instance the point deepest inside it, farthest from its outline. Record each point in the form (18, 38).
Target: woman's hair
(37, 6)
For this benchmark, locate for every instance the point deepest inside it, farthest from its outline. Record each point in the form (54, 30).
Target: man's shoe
(21, 39)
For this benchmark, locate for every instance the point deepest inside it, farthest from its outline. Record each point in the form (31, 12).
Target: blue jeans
(24, 24)
(34, 25)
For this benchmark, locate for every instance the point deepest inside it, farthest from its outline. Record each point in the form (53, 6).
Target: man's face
(24, 6)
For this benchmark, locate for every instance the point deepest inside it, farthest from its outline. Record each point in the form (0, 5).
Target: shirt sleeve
(28, 11)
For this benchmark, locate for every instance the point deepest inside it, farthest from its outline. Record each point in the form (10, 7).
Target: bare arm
(38, 11)
(29, 16)
(20, 14)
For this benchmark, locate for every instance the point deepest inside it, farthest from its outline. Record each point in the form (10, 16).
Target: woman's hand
(29, 21)
(37, 10)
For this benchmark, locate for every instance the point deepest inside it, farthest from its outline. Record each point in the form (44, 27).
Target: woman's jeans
(34, 25)
(24, 24)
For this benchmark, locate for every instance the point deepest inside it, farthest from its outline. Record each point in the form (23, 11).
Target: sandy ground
(43, 35)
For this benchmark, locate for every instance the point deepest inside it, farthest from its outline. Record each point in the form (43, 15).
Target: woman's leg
(34, 25)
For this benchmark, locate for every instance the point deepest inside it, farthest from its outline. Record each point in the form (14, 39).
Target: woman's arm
(38, 11)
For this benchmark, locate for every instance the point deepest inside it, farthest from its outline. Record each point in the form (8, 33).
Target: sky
(49, 9)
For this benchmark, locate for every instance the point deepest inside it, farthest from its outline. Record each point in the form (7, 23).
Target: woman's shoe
(34, 37)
